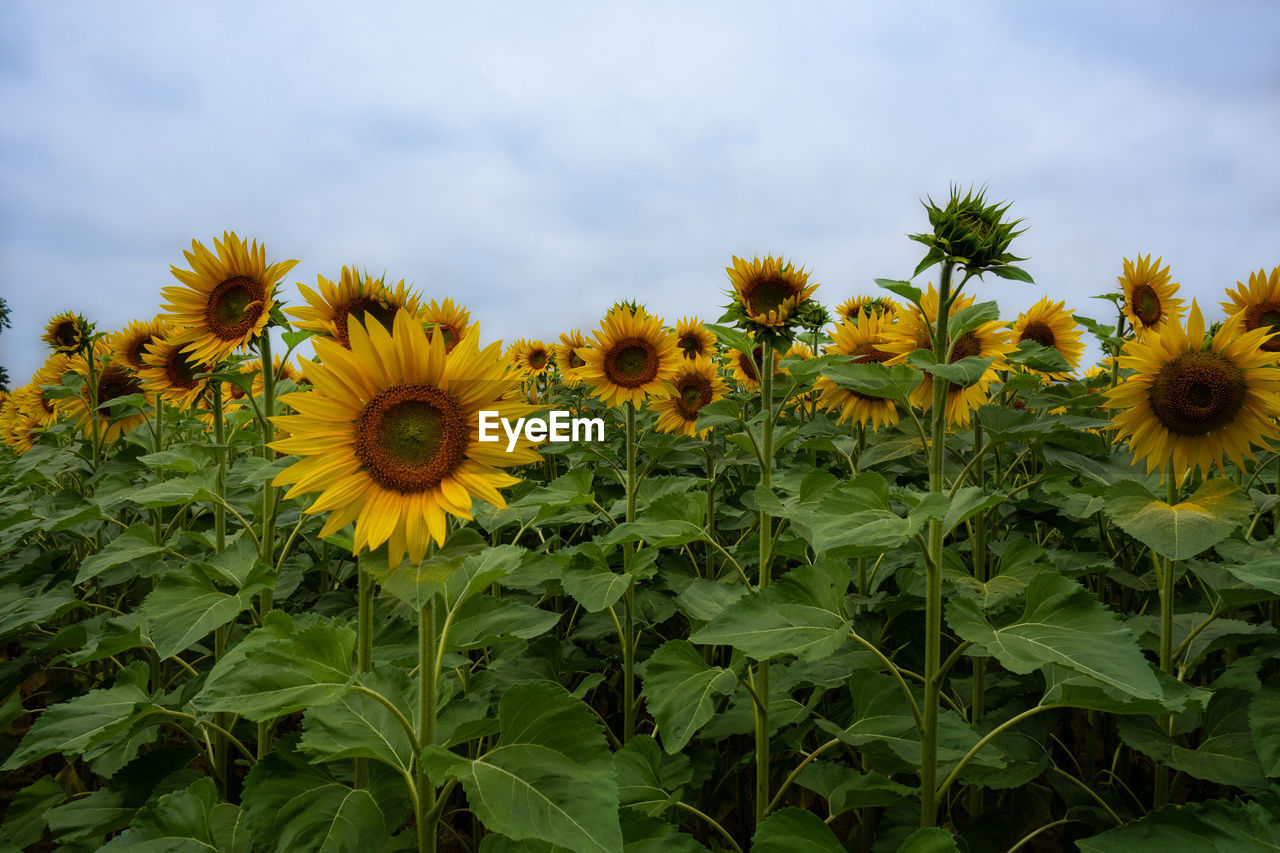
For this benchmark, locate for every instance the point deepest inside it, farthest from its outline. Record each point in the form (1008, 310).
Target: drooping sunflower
(390, 434)
(227, 298)
(67, 333)
(873, 306)
(567, 358)
(746, 369)
(114, 380)
(530, 357)
(696, 383)
(694, 339)
(1259, 302)
(171, 372)
(860, 340)
(989, 340)
(1148, 295)
(129, 344)
(631, 357)
(1051, 325)
(769, 291)
(1194, 398)
(448, 319)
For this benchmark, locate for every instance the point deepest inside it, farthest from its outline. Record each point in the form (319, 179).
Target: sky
(539, 162)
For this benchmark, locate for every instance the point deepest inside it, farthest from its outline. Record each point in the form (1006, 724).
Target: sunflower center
(869, 352)
(234, 307)
(1264, 316)
(575, 360)
(694, 393)
(133, 354)
(965, 346)
(631, 362)
(180, 371)
(410, 437)
(362, 308)
(115, 383)
(1146, 304)
(1039, 332)
(768, 295)
(66, 333)
(690, 345)
(1196, 393)
(537, 359)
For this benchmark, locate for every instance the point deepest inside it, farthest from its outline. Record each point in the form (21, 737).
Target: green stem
(1166, 640)
(267, 539)
(766, 537)
(364, 651)
(427, 814)
(221, 748)
(711, 509)
(629, 597)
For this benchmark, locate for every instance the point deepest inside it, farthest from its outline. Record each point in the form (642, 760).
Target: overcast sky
(538, 162)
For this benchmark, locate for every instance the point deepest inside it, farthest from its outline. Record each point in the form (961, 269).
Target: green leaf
(23, 608)
(905, 289)
(1241, 826)
(480, 571)
(680, 691)
(1061, 623)
(27, 813)
(875, 380)
(549, 777)
(1263, 574)
(416, 584)
(1036, 356)
(647, 780)
(189, 820)
(588, 578)
(644, 834)
(970, 318)
(793, 830)
(285, 666)
(1181, 531)
(963, 372)
(1064, 687)
(296, 807)
(360, 726)
(931, 839)
(853, 519)
(185, 607)
(177, 492)
(136, 543)
(1225, 753)
(485, 620)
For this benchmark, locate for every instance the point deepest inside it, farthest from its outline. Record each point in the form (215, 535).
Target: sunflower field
(895, 575)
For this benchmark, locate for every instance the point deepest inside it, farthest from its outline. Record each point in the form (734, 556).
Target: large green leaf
(185, 607)
(1264, 713)
(1225, 752)
(548, 778)
(648, 780)
(416, 584)
(1183, 530)
(23, 608)
(288, 664)
(853, 519)
(1061, 623)
(360, 726)
(188, 821)
(793, 830)
(1072, 689)
(485, 620)
(681, 689)
(135, 544)
(1238, 826)
(931, 839)
(27, 813)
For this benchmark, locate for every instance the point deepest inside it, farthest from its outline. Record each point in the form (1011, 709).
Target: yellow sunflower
(695, 339)
(129, 344)
(227, 298)
(1148, 295)
(1050, 325)
(33, 396)
(18, 426)
(746, 369)
(696, 383)
(1259, 302)
(390, 434)
(1194, 398)
(873, 306)
(448, 319)
(631, 357)
(567, 358)
(171, 372)
(531, 358)
(356, 295)
(769, 291)
(66, 333)
(115, 380)
(860, 340)
(989, 340)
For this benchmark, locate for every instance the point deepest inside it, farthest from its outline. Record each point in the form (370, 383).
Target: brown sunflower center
(114, 383)
(234, 307)
(694, 393)
(631, 362)
(575, 360)
(537, 358)
(362, 308)
(868, 352)
(1196, 393)
(1146, 304)
(1265, 315)
(750, 364)
(180, 371)
(67, 333)
(965, 346)
(1039, 332)
(768, 294)
(690, 345)
(410, 437)
(133, 353)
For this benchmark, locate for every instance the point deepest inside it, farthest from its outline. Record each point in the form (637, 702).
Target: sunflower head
(1148, 295)
(1051, 325)
(972, 233)
(631, 357)
(860, 340)
(696, 384)
(446, 319)
(130, 343)
(746, 366)
(1193, 398)
(114, 380)
(567, 358)
(356, 295)
(771, 296)
(882, 307)
(694, 339)
(1259, 303)
(173, 372)
(68, 333)
(530, 357)
(226, 299)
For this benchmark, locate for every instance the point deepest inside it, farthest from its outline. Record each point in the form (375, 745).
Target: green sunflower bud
(972, 234)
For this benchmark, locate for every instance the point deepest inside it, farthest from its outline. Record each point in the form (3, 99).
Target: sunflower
(171, 372)
(130, 343)
(33, 396)
(746, 368)
(1194, 398)
(66, 333)
(567, 358)
(1050, 325)
(769, 291)
(860, 340)
(114, 380)
(390, 434)
(18, 426)
(448, 319)
(632, 357)
(227, 300)
(873, 306)
(1259, 302)
(355, 295)
(531, 358)
(989, 340)
(1148, 295)
(695, 384)
(695, 339)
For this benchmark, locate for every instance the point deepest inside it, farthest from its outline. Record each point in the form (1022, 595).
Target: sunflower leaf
(1185, 529)
(679, 690)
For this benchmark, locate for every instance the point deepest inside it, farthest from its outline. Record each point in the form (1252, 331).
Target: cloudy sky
(538, 162)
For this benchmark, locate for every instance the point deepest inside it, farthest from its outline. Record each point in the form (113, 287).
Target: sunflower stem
(221, 747)
(711, 510)
(267, 539)
(364, 651)
(1166, 640)
(427, 814)
(766, 535)
(629, 600)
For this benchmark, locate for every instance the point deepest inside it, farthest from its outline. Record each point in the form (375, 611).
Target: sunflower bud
(973, 234)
